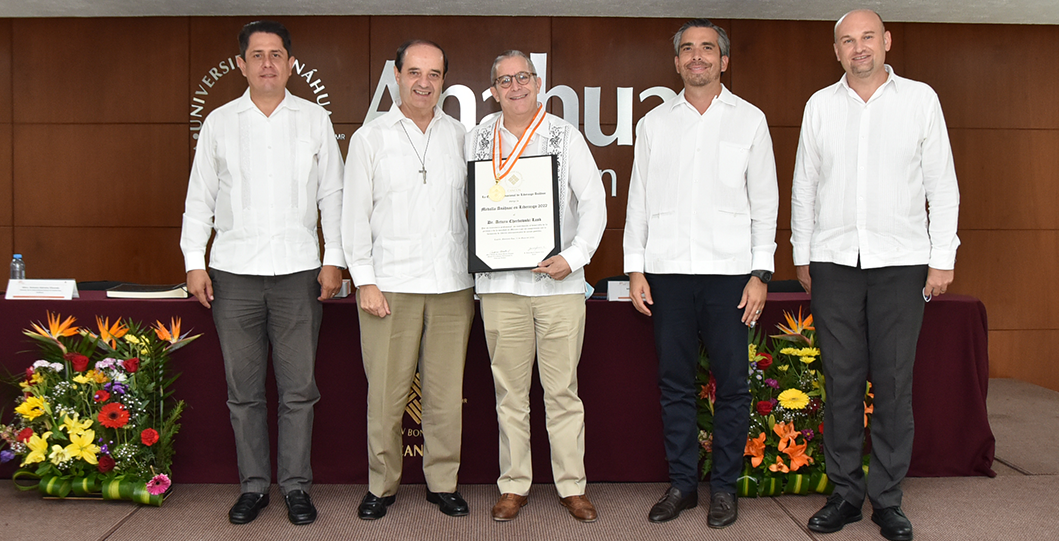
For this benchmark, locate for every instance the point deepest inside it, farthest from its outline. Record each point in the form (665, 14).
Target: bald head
(859, 15)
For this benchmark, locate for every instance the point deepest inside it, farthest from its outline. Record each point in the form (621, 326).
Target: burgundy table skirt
(623, 437)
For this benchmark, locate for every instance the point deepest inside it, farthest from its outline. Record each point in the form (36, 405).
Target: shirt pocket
(732, 160)
(402, 172)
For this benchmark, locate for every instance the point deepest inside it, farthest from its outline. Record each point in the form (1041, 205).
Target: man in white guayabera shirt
(404, 231)
(539, 312)
(873, 224)
(266, 167)
(700, 235)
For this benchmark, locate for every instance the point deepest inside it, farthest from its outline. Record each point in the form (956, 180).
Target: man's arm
(357, 206)
(764, 196)
(943, 202)
(199, 208)
(803, 197)
(634, 240)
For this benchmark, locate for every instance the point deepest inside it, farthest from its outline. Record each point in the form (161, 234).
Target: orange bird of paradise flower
(798, 456)
(110, 333)
(755, 448)
(171, 334)
(793, 329)
(56, 329)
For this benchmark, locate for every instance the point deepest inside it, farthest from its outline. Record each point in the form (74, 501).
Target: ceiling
(950, 11)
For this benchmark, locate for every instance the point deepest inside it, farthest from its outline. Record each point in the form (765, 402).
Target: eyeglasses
(522, 77)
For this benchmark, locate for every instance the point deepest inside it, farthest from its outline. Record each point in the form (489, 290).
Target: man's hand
(200, 285)
(373, 302)
(330, 279)
(555, 266)
(640, 291)
(753, 300)
(802, 272)
(937, 282)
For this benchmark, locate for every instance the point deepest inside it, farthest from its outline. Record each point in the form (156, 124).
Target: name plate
(41, 289)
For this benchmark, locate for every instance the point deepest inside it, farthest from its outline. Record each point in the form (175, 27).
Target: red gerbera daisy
(114, 415)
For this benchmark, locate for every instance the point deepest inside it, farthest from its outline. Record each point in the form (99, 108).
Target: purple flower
(772, 383)
(115, 387)
(809, 434)
(6, 455)
(104, 449)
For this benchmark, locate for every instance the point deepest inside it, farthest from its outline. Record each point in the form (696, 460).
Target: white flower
(57, 367)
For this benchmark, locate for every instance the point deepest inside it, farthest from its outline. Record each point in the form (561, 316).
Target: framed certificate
(514, 222)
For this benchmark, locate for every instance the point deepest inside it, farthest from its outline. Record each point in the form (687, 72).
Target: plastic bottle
(18, 268)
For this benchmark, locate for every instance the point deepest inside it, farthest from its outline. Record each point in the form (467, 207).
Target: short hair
(842, 18)
(724, 43)
(399, 59)
(268, 27)
(512, 53)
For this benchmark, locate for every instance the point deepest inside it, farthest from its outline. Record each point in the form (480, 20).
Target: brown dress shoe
(580, 508)
(508, 506)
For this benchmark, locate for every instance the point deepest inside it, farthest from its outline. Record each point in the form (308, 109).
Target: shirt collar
(725, 97)
(892, 79)
(244, 102)
(545, 127)
(395, 115)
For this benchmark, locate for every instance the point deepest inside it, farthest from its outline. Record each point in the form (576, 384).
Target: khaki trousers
(517, 329)
(428, 331)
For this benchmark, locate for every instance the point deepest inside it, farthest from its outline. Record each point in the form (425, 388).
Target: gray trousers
(250, 313)
(867, 325)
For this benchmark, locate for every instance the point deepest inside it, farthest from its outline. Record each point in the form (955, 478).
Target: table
(623, 437)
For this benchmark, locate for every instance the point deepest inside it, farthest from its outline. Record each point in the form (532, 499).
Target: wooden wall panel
(608, 258)
(100, 70)
(149, 255)
(1008, 178)
(758, 71)
(332, 70)
(5, 71)
(612, 53)
(988, 76)
(1014, 273)
(6, 198)
(132, 175)
(7, 244)
(471, 43)
(1017, 354)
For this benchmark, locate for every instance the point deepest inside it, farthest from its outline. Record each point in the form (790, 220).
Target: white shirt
(583, 211)
(258, 181)
(400, 233)
(703, 197)
(865, 174)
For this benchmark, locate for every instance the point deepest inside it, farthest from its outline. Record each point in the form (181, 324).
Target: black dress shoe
(893, 524)
(835, 514)
(300, 509)
(671, 504)
(724, 509)
(450, 503)
(247, 507)
(373, 507)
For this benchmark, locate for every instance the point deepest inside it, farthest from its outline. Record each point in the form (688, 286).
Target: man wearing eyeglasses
(404, 230)
(539, 312)
(700, 235)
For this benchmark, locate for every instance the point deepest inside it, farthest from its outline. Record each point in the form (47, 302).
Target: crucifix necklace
(422, 160)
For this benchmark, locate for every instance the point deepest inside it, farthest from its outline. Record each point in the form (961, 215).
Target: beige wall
(95, 141)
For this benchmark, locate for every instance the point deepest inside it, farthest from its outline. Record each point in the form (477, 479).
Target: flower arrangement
(785, 447)
(96, 414)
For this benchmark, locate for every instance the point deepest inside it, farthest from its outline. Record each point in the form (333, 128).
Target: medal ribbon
(502, 167)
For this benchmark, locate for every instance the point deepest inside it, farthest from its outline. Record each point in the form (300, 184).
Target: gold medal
(496, 193)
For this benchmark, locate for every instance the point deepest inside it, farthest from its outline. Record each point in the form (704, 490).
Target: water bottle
(18, 268)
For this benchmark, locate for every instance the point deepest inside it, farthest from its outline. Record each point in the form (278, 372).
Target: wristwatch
(762, 275)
